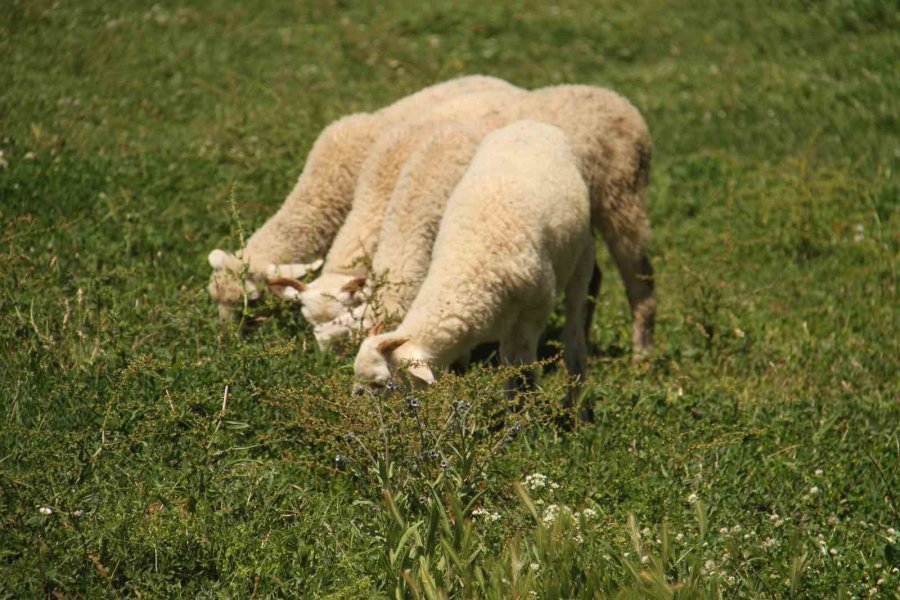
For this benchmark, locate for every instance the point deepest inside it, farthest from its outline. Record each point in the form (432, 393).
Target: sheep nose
(359, 389)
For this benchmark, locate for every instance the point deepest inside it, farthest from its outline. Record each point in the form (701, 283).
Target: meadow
(149, 450)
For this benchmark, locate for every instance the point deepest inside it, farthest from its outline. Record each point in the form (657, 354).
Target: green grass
(757, 456)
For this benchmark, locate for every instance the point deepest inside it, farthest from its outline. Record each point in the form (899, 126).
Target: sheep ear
(389, 345)
(287, 287)
(422, 372)
(354, 285)
(217, 259)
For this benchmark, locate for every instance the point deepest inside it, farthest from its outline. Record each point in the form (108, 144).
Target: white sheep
(410, 225)
(515, 233)
(613, 146)
(341, 285)
(301, 231)
(611, 140)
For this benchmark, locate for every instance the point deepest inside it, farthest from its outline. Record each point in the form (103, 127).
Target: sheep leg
(577, 303)
(629, 251)
(519, 348)
(593, 297)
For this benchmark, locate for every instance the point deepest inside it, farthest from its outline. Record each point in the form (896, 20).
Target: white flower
(723, 531)
(578, 538)
(692, 498)
(3, 162)
(645, 559)
(819, 472)
(78, 513)
(736, 529)
(873, 591)
(494, 517)
(478, 512)
(891, 531)
(30, 156)
(534, 566)
(45, 510)
(679, 537)
(832, 552)
(769, 542)
(589, 513)
(813, 491)
(536, 481)
(554, 486)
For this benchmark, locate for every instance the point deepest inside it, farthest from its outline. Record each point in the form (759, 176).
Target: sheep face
(381, 356)
(228, 284)
(330, 296)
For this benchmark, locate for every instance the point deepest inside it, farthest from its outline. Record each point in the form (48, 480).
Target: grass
(147, 450)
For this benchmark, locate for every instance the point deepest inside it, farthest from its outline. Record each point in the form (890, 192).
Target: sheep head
(381, 356)
(330, 296)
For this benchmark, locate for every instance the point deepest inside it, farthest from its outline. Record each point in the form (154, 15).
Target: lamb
(613, 145)
(342, 284)
(299, 234)
(410, 225)
(611, 140)
(515, 233)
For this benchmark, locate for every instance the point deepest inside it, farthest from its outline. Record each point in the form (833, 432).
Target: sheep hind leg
(628, 248)
(578, 306)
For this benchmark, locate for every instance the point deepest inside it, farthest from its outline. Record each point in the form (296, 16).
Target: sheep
(410, 225)
(611, 140)
(292, 241)
(342, 283)
(515, 233)
(613, 145)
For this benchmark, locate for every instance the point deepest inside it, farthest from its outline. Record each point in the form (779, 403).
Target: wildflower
(578, 538)
(723, 530)
(339, 458)
(646, 531)
(494, 517)
(645, 559)
(391, 386)
(413, 403)
(554, 486)
(709, 565)
(692, 498)
(479, 512)
(819, 472)
(739, 332)
(444, 464)
(45, 510)
(589, 513)
(770, 542)
(679, 537)
(30, 156)
(873, 591)
(536, 481)
(736, 529)
(891, 532)
(78, 513)
(833, 552)
(534, 566)
(813, 491)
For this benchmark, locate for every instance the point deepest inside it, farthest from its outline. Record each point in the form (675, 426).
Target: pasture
(148, 450)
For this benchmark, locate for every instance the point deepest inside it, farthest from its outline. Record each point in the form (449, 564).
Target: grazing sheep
(410, 225)
(611, 140)
(341, 286)
(303, 228)
(515, 232)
